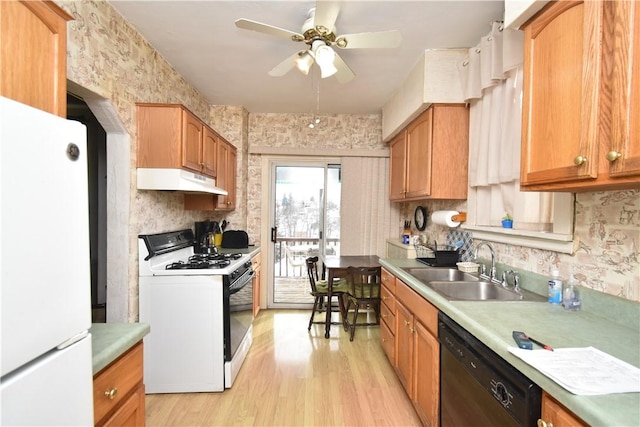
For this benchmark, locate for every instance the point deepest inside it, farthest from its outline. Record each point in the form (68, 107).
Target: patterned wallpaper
(108, 57)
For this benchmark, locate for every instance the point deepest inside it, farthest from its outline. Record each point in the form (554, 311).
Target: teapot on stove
(207, 245)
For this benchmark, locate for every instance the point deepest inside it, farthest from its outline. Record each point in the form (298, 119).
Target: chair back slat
(364, 282)
(312, 272)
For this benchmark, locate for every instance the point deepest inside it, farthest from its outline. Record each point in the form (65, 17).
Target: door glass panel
(307, 217)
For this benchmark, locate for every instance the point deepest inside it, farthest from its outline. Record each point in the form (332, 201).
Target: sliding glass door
(305, 206)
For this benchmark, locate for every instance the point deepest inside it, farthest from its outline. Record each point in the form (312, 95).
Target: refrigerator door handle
(72, 340)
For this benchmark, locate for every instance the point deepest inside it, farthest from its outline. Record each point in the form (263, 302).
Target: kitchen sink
(479, 290)
(430, 274)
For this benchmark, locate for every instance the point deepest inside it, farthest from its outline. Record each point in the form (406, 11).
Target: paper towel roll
(445, 218)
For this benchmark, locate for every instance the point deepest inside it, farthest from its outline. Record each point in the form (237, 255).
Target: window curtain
(491, 78)
(367, 218)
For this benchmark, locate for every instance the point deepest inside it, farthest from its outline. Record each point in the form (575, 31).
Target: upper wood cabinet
(170, 136)
(581, 105)
(226, 163)
(33, 69)
(429, 159)
(398, 166)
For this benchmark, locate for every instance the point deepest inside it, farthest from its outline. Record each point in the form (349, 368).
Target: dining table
(336, 266)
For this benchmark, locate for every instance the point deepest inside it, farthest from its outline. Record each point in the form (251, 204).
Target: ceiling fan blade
(344, 74)
(285, 66)
(326, 14)
(247, 24)
(382, 39)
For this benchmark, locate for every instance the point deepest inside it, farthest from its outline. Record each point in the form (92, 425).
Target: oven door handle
(240, 284)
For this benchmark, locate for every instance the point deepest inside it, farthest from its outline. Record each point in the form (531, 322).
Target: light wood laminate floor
(293, 377)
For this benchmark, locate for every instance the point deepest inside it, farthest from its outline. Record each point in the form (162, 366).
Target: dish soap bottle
(555, 287)
(571, 296)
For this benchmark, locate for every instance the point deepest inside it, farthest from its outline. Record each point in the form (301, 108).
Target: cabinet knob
(612, 156)
(579, 160)
(111, 394)
(406, 322)
(543, 423)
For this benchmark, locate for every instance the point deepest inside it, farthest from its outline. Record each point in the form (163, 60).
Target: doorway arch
(118, 201)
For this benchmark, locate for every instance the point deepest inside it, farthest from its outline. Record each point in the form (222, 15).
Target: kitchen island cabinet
(581, 127)
(171, 136)
(429, 159)
(34, 51)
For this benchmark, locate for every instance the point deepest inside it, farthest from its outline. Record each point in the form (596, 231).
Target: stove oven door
(238, 310)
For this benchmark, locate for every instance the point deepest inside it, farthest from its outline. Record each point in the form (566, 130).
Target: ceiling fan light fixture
(324, 57)
(304, 61)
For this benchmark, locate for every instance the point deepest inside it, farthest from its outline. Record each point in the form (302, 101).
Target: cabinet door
(556, 415)
(209, 151)
(561, 86)
(191, 142)
(226, 179)
(222, 174)
(257, 277)
(34, 51)
(426, 397)
(231, 177)
(388, 342)
(419, 134)
(624, 153)
(404, 347)
(397, 167)
(130, 413)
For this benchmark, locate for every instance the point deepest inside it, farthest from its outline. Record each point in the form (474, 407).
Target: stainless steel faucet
(492, 274)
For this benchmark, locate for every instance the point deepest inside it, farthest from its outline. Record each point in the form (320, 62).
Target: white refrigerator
(45, 347)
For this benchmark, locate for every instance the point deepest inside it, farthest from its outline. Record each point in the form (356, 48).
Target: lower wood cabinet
(416, 356)
(388, 316)
(256, 265)
(555, 415)
(118, 391)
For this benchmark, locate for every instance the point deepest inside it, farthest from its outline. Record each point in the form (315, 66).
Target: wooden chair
(319, 290)
(364, 292)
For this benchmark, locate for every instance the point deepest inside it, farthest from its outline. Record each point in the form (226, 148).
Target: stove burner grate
(198, 264)
(214, 257)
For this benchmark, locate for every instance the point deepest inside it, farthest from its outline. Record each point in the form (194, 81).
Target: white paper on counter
(583, 371)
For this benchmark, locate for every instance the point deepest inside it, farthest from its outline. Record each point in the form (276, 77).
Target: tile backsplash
(607, 224)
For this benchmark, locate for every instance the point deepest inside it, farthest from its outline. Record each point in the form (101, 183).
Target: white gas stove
(200, 310)
(172, 254)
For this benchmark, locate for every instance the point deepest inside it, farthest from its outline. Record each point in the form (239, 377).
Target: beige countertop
(606, 322)
(110, 340)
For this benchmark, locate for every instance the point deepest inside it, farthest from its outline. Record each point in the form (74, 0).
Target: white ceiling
(229, 66)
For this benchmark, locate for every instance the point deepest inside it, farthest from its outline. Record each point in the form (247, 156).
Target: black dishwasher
(478, 387)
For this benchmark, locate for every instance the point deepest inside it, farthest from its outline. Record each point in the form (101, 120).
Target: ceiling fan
(319, 33)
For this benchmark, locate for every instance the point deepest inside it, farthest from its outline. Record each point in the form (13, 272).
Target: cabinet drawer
(388, 343)
(387, 298)
(422, 309)
(119, 378)
(388, 280)
(388, 316)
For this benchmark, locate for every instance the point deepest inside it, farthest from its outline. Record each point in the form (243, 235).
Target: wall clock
(420, 216)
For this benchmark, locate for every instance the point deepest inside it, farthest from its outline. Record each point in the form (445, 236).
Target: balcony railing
(291, 252)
